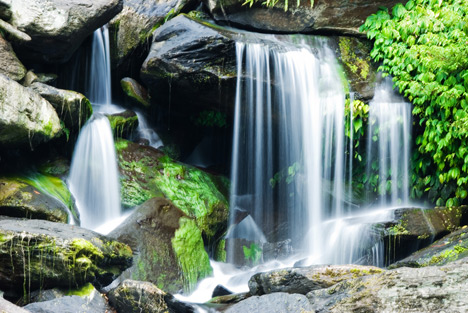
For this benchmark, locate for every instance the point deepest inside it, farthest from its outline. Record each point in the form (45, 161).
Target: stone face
(27, 119)
(278, 302)
(342, 16)
(73, 107)
(8, 307)
(304, 280)
(9, 63)
(156, 231)
(136, 296)
(40, 254)
(19, 199)
(135, 91)
(58, 27)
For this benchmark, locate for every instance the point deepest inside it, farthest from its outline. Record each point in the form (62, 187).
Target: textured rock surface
(135, 91)
(73, 107)
(41, 254)
(8, 307)
(273, 303)
(26, 118)
(9, 63)
(19, 199)
(304, 280)
(151, 231)
(123, 124)
(58, 27)
(136, 296)
(338, 16)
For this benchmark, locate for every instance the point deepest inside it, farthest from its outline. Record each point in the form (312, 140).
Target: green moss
(220, 252)
(448, 255)
(130, 91)
(355, 64)
(398, 229)
(122, 124)
(84, 291)
(191, 255)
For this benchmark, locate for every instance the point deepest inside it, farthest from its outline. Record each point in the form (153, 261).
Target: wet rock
(20, 199)
(220, 291)
(27, 119)
(448, 249)
(8, 307)
(40, 254)
(170, 247)
(327, 16)
(5, 9)
(136, 296)
(230, 299)
(73, 107)
(278, 302)
(304, 280)
(135, 91)
(90, 302)
(123, 124)
(429, 289)
(9, 63)
(132, 28)
(58, 27)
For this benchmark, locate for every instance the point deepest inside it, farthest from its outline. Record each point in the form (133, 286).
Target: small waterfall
(94, 178)
(389, 144)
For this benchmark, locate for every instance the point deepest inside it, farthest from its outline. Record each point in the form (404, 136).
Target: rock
(40, 254)
(136, 296)
(74, 108)
(230, 299)
(135, 91)
(8, 307)
(88, 300)
(20, 199)
(148, 173)
(428, 289)
(27, 119)
(13, 33)
(132, 28)
(325, 16)
(304, 280)
(170, 247)
(58, 27)
(9, 63)
(278, 302)
(5, 9)
(123, 124)
(220, 291)
(415, 228)
(448, 249)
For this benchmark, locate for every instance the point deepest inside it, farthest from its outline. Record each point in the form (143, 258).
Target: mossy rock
(21, 197)
(135, 91)
(38, 254)
(170, 247)
(123, 124)
(147, 173)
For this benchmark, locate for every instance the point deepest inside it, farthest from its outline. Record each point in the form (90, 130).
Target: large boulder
(274, 303)
(27, 119)
(73, 108)
(9, 63)
(58, 27)
(8, 307)
(132, 28)
(169, 246)
(336, 16)
(37, 254)
(136, 296)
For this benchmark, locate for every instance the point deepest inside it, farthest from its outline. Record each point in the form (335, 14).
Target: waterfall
(388, 144)
(94, 178)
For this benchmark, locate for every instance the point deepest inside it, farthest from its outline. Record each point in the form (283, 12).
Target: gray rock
(135, 91)
(9, 63)
(13, 33)
(40, 254)
(136, 296)
(278, 302)
(73, 107)
(304, 280)
(8, 307)
(92, 303)
(58, 27)
(27, 119)
(337, 16)
(132, 28)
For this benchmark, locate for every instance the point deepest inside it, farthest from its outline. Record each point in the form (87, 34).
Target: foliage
(272, 3)
(254, 253)
(423, 46)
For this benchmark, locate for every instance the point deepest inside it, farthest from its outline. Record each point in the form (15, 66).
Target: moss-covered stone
(135, 91)
(40, 254)
(123, 124)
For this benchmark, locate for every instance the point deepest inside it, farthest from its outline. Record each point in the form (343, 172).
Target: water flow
(389, 144)
(99, 82)
(94, 179)
(289, 138)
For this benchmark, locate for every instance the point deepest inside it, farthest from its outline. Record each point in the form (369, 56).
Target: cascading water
(389, 144)
(94, 179)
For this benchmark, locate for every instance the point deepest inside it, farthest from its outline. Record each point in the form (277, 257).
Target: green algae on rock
(123, 124)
